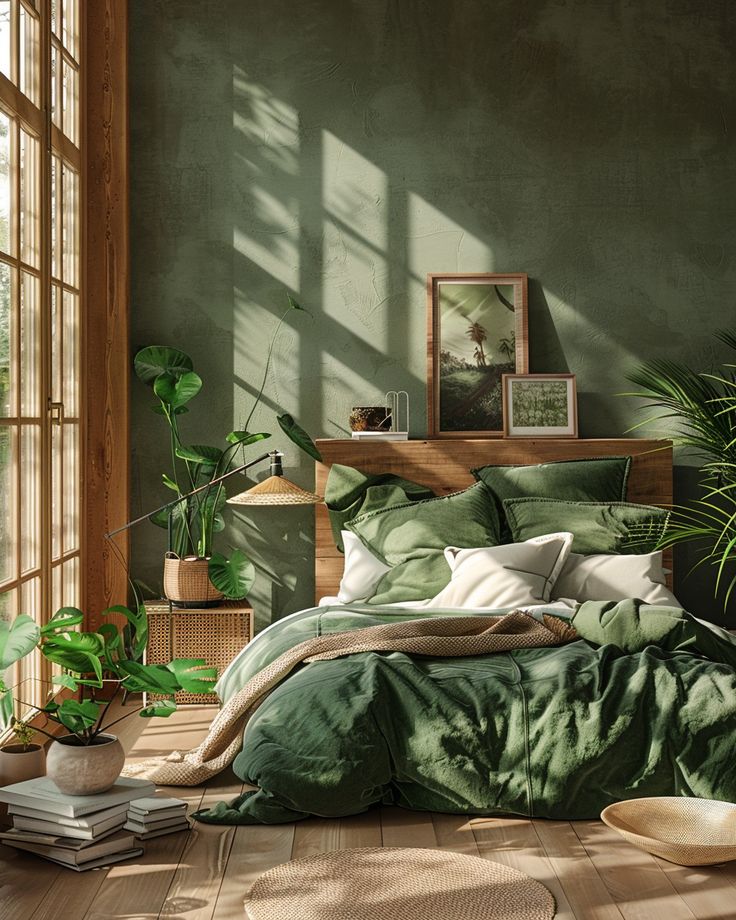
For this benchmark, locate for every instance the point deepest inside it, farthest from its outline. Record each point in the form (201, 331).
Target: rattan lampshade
(276, 490)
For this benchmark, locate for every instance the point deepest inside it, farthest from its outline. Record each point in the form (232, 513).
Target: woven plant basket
(682, 830)
(187, 582)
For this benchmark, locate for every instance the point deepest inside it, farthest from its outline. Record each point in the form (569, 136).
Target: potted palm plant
(704, 407)
(88, 758)
(195, 575)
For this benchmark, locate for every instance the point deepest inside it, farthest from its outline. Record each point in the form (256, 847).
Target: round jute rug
(397, 883)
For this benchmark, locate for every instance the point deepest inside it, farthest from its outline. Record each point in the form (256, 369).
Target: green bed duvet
(643, 703)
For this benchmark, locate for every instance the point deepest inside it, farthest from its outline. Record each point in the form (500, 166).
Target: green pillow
(599, 479)
(597, 527)
(350, 492)
(411, 538)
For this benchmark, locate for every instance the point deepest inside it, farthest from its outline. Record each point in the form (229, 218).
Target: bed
(641, 702)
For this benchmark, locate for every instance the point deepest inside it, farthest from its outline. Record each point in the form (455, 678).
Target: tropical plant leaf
(233, 576)
(201, 454)
(170, 484)
(294, 304)
(148, 678)
(161, 708)
(294, 431)
(6, 708)
(155, 360)
(77, 716)
(76, 651)
(64, 618)
(18, 638)
(244, 438)
(176, 391)
(194, 674)
(138, 620)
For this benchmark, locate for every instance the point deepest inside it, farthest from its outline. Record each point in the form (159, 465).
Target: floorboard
(206, 874)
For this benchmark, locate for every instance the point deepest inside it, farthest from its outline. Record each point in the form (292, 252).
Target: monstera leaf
(155, 360)
(64, 618)
(233, 576)
(193, 674)
(176, 391)
(17, 639)
(75, 716)
(76, 651)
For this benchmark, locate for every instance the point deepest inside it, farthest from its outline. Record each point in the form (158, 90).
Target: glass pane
(5, 38)
(56, 594)
(55, 87)
(6, 186)
(56, 393)
(71, 592)
(55, 236)
(30, 603)
(71, 27)
(70, 97)
(29, 55)
(7, 345)
(55, 17)
(8, 601)
(8, 489)
(70, 346)
(56, 493)
(29, 199)
(30, 355)
(70, 485)
(30, 505)
(70, 236)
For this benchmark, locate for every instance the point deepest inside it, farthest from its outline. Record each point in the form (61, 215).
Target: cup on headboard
(370, 418)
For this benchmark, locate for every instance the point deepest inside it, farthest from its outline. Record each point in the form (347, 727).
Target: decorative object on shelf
(197, 475)
(540, 406)
(684, 830)
(223, 630)
(396, 410)
(704, 405)
(477, 331)
(370, 418)
(88, 759)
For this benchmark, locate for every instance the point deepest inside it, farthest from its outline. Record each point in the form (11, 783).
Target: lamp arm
(181, 498)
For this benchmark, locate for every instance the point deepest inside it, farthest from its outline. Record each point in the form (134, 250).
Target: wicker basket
(215, 634)
(187, 582)
(686, 831)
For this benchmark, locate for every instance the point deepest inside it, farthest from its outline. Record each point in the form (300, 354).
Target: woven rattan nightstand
(216, 634)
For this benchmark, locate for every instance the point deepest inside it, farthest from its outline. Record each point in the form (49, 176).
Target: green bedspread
(644, 703)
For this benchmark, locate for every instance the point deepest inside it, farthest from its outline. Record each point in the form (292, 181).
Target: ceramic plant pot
(187, 582)
(84, 769)
(18, 763)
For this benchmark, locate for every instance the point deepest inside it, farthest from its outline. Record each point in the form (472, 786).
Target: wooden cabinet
(216, 634)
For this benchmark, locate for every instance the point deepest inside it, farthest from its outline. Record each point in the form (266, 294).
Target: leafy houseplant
(84, 657)
(193, 522)
(704, 405)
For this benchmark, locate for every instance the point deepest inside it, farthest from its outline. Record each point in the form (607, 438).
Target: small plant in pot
(195, 574)
(88, 758)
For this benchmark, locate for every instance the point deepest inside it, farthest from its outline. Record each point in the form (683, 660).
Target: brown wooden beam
(107, 302)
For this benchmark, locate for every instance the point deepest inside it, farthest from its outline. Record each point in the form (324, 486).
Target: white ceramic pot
(84, 769)
(18, 764)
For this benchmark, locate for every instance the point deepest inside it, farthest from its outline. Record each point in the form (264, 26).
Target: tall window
(40, 326)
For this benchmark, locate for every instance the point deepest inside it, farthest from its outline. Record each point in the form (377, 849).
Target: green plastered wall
(341, 149)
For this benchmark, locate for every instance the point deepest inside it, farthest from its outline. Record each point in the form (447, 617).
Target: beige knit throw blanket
(441, 637)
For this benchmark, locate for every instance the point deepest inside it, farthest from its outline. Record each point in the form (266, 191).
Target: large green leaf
(64, 618)
(77, 652)
(18, 638)
(138, 620)
(298, 435)
(155, 360)
(194, 674)
(162, 708)
(176, 391)
(148, 678)
(244, 438)
(233, 576)
(77, 716)
(201, 454)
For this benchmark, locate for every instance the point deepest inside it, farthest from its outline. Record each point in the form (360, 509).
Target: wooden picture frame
(468, 325)
(530, 414)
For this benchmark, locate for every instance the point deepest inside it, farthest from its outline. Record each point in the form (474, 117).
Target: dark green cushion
(350, 492)
(597, 527)
(411, 539)
(599, 479)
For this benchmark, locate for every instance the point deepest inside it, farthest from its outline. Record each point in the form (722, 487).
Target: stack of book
(155, 816)
(79, 832)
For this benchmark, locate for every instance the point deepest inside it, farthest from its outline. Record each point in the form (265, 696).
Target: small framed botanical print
(477, 331)
(540, 406)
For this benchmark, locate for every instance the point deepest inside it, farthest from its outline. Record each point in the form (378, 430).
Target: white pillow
(614, 578)
(362, 570)
(512, 575)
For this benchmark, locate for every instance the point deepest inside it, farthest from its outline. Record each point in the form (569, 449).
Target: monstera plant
(193, 522)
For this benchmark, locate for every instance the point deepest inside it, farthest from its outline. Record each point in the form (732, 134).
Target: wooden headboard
(444, 466)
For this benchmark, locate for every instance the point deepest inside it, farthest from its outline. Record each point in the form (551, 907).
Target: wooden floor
(206, 873)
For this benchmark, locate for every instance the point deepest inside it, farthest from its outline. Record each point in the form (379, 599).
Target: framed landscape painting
(477, 331)
(540, 406)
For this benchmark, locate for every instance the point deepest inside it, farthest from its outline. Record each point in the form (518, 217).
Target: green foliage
(195, 520)
(704, 407)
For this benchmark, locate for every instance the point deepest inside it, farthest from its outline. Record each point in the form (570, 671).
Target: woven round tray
(686, 831)
(396, 883)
